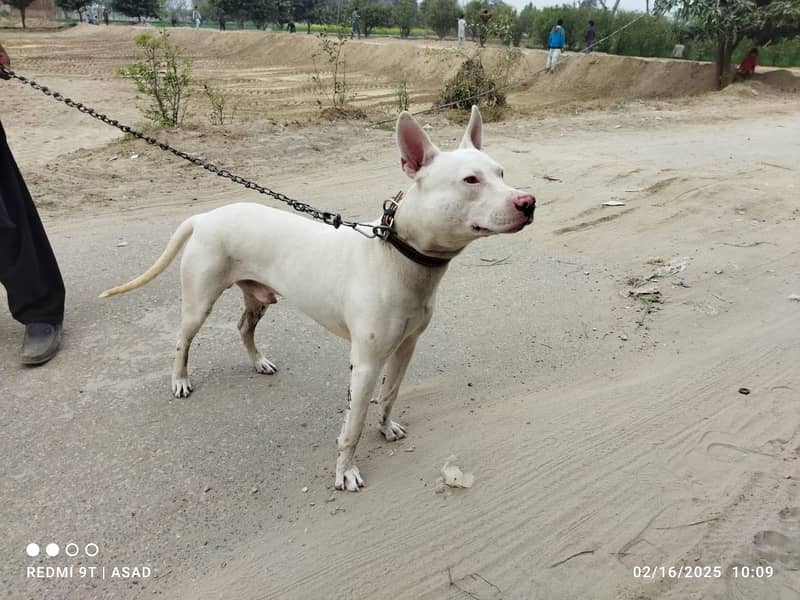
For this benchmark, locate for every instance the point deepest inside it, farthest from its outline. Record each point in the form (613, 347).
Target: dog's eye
(472, 180)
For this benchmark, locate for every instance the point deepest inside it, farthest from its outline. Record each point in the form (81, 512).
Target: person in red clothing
(748, 65)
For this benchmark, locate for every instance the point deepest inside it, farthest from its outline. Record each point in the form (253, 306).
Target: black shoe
(40, 343)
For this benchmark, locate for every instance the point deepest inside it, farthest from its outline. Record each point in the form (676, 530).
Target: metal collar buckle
(390, 207)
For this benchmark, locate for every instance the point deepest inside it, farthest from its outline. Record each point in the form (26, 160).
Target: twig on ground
(688, 524)
(570, 557)
(748, 245)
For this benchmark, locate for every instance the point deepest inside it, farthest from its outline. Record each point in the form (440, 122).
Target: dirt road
(606, 431)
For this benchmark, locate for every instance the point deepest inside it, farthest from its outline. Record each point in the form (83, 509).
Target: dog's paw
(349, 480)
(181, 388)
(393, 431)
(265, 366)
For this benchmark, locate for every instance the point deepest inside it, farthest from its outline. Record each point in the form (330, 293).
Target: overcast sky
(624, 5)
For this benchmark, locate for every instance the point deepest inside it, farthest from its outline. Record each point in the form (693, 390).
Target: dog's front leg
(364, 372)
(395, 371)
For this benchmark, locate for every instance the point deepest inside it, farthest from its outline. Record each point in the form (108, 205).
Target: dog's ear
(474, 135)
(416, 148)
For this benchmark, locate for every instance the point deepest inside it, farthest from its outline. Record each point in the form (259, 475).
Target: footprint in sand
(774, 547)
(790, 514)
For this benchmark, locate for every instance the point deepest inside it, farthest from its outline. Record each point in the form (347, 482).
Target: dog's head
(458, 196)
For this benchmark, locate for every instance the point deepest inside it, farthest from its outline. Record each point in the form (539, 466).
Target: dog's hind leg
(200, 288)
(393, 376)
(257, 298)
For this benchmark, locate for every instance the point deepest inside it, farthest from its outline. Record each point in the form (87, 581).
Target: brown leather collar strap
(413, 255)
(387, 222)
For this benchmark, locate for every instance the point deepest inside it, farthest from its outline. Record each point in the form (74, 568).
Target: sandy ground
(606, 432)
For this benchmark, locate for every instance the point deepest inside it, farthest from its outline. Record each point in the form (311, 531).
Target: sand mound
(782, 79)
(270, 74)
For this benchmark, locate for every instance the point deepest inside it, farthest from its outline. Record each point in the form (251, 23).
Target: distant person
(747, 67)
(356, 20)
(28, 267)
(291, 27)
(105, 15)
(462, 30)
(90, 19)
(485, 16)
(555, 43)
(196, 18)
(677, 51)
(588, 37)
(221, 18)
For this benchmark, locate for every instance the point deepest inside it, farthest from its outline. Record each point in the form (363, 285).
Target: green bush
(163, 75)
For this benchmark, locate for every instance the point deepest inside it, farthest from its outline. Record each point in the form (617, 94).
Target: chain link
(333, 219)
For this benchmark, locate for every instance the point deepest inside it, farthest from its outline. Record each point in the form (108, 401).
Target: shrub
(164, 76)
(471, 85)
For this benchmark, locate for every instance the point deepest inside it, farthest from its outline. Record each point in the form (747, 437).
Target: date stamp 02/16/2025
(702, 572)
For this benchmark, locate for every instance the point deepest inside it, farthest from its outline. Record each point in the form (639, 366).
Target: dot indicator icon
(32, 550)
(52, 550)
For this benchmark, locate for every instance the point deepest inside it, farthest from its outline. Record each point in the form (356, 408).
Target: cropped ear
(474, 135)
(416, 149)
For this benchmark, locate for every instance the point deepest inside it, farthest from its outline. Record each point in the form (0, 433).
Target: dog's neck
(406, 229)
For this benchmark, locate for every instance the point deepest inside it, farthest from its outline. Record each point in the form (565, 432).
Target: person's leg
(556, 54)
(28, 267)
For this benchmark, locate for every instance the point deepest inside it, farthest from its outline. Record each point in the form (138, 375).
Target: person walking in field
(28, 267)
(555, 44)
(105, 15)
(221, 18)
(356, 20)
(462, 30)
(588, 37)
(196, 18)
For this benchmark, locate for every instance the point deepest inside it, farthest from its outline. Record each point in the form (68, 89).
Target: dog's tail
(176, 242)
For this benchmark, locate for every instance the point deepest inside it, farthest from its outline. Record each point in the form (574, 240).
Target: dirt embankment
(270, 74)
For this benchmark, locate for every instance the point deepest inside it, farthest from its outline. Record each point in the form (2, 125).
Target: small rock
(305, 489)
(795, 297)
(409, 449)
(122, 244)
(454, 476)
(134, 156)
(744, 391)
(623, 337)
(206, 489)
(254, 490)
(718, 271)
(331, 499)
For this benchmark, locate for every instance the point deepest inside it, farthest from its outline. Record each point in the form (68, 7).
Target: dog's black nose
(526, 205)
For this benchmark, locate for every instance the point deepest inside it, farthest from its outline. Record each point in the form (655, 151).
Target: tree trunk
(22, 14)
(725, 50)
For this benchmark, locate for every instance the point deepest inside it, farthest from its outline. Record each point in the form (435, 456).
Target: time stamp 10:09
(702, 572)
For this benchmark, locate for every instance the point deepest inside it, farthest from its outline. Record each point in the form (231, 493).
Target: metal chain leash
(333, 219)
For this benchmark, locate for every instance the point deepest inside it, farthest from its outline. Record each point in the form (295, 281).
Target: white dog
(377, 294)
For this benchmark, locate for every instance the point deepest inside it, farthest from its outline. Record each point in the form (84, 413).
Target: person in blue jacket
(555, 43)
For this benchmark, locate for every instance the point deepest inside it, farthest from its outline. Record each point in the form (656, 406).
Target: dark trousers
(28, 268)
